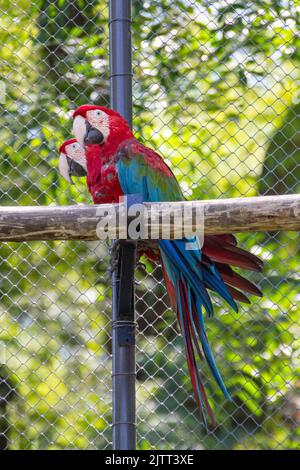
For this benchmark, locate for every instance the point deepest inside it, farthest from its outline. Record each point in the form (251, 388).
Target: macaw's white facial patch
(63, 167)
(79, 129)
(99, 120)
(76, 153)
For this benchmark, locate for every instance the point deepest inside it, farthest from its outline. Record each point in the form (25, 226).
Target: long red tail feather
(229, 254)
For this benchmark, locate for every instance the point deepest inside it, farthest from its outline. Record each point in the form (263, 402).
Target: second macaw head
(72, 161)
(98, 125)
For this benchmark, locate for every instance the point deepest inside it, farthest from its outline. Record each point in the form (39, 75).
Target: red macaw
(108, 139)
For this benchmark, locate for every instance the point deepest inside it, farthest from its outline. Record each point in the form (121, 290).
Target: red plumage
(102, 177)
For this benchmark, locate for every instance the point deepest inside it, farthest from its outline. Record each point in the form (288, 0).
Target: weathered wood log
(267, 213)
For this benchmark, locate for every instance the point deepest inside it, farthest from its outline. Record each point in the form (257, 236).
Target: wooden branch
(267, 213)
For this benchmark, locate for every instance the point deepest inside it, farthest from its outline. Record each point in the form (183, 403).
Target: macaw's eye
(98, 113)
(74, 146)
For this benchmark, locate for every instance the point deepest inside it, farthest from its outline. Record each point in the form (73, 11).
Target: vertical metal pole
(123, 335)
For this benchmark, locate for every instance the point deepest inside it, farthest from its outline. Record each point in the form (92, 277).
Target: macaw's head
(98, 125)
(72, 161)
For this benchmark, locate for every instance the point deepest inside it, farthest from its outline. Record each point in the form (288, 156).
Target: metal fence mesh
(216, 93)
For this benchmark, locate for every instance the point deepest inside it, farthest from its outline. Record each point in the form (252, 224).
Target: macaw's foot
(114, 251)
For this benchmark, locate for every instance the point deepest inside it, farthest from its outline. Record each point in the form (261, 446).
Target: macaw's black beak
(92, 135)
(75, 169)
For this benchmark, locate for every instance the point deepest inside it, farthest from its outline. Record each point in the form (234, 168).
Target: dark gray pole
(123, 335)
(120, 58)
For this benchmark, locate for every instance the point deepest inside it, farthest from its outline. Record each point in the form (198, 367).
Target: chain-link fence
(215, 92)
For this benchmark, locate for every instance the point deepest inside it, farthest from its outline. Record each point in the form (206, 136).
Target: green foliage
(214, 92)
